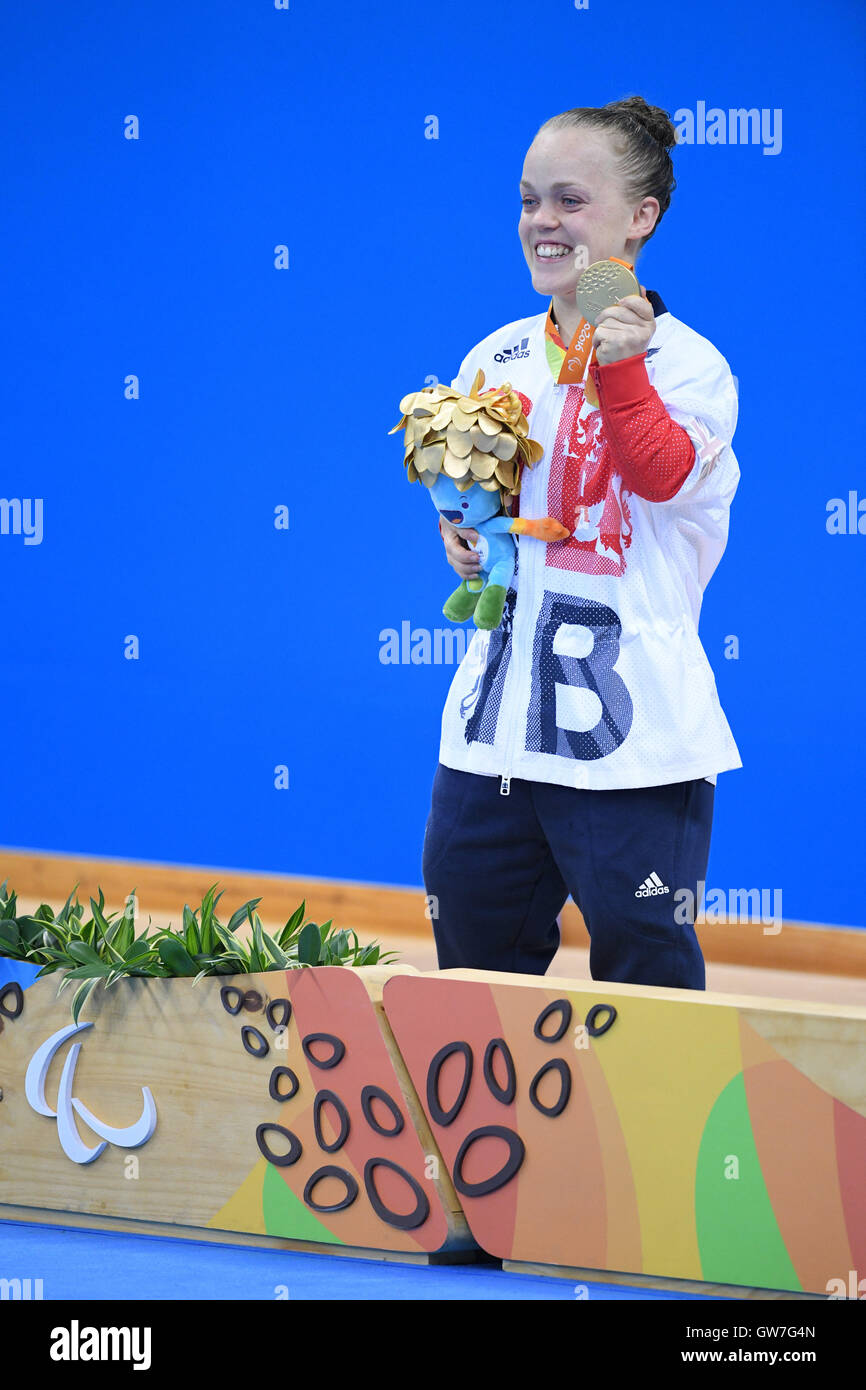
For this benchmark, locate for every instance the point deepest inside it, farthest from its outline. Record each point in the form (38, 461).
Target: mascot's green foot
(461, 604)
(490, 606)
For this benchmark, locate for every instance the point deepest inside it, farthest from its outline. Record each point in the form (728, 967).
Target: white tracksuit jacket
(597, 677)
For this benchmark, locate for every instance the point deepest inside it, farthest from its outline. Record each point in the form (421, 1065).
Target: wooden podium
(572, 1126)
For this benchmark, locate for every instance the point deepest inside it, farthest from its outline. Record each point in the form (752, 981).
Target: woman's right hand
(466, 562)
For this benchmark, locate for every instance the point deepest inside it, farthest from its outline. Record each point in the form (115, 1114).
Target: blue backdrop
(260, 387)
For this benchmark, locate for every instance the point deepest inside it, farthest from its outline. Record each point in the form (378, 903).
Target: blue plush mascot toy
(469, 451)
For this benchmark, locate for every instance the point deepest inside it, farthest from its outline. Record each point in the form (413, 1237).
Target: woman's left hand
(624, 330)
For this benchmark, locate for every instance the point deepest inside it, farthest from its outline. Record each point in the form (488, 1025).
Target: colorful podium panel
(659, 1132)
(267, 1104)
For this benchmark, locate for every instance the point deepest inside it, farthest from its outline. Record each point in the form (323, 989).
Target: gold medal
(601, 285)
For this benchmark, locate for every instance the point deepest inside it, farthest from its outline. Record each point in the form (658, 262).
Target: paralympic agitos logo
(130, 1137)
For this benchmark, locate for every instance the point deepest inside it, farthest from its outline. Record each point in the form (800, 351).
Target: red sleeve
(652, 453)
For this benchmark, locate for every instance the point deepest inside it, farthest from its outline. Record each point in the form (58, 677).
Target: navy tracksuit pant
(500, 869)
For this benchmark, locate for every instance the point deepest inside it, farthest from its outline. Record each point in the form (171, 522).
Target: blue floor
(74, 1264)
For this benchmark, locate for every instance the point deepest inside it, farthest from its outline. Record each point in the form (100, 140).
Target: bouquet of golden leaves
(480, 438)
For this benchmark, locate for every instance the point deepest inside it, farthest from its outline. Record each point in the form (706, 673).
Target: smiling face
(464, 508)
(572, 195)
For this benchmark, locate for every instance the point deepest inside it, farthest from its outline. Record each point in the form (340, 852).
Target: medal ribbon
(580, 354)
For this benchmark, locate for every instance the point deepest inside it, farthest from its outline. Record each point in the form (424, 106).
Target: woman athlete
(582, 738)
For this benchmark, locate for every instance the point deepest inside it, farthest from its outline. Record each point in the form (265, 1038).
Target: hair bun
(654, 120)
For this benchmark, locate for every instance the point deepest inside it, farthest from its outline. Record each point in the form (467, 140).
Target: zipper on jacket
(511, 739)
(521, 653)
(515, 674)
